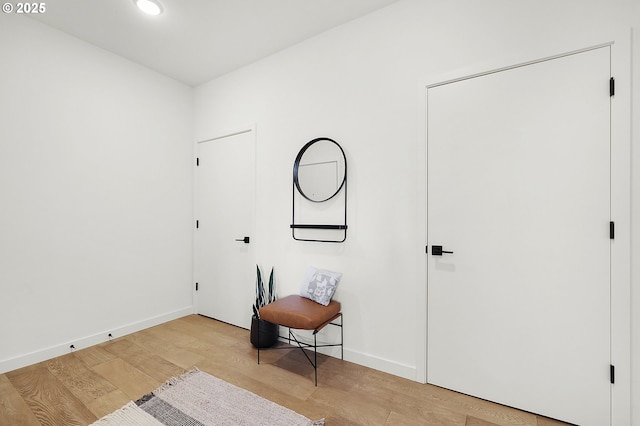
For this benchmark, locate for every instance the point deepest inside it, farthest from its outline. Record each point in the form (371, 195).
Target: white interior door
(518, 189)
(225, 267)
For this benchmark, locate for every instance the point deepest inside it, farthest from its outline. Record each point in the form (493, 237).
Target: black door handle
(244, 240)
(437, 251)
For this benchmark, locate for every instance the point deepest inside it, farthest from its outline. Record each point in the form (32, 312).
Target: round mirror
(320, 170)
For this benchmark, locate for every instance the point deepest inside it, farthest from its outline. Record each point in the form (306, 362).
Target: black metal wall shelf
(319, 226)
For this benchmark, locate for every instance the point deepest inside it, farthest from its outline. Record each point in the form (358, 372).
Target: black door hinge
(197, 161)
(197, 224)
(196, 286)
(612, 373)
(612, 230)
(612, 86)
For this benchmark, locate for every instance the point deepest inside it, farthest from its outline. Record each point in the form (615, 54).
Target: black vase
(268, 335)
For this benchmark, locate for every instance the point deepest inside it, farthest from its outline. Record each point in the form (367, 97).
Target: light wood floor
(78, 388)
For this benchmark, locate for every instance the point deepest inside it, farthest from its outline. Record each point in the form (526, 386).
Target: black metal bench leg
(315, 357)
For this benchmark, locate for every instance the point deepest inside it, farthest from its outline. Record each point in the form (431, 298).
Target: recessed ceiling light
(150, 7)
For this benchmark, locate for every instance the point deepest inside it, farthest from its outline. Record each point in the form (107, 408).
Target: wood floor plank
(405, 398)
(355, 408)
(218, 326)
(130, 380)
(473, 421)
(108, 403)
(405, 407)
(183, 358)
(417, 405)
(545, 421)
(494, 413)
(83, 382)
(94, 355)
(48, 399)
(399, 419)
(147, 362)
(13, 409)
(165, 332)
(206, 331)
(209, 345)
(405, 393)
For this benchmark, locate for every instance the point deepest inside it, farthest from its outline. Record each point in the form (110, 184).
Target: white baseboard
(381, 364)
(84, 342)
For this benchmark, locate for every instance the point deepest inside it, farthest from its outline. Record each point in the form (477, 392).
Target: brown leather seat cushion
(299, 312)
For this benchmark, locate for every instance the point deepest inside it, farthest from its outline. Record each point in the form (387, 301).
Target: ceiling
(195, 41)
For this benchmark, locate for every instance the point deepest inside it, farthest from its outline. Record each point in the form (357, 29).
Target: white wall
(361, 85)
(96, 194)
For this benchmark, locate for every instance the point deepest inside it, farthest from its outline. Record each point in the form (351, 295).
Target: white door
(518, 189)
(225, 267)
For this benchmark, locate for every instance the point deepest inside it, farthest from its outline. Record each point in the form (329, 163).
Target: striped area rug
(200, 399)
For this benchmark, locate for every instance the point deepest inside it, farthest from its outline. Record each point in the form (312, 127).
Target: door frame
(232, 131)
(620, 44)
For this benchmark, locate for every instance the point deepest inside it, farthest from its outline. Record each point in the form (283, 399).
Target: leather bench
(297, 312)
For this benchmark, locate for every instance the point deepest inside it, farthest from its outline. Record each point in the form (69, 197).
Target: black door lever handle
(244, 240)
(437, 251)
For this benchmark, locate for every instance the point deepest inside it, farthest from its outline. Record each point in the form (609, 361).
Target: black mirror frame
(296, 166)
